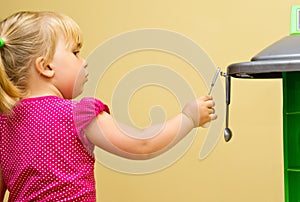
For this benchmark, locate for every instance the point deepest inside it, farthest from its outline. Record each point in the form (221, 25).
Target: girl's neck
(43, 92)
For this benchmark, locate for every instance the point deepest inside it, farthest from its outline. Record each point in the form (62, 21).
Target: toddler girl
(46, 138)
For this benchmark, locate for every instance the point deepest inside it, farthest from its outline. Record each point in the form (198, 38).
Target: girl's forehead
(68, 43)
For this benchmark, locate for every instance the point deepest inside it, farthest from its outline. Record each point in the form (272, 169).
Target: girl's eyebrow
(77, 46)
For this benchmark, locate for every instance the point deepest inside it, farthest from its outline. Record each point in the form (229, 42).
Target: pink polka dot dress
(44, 153)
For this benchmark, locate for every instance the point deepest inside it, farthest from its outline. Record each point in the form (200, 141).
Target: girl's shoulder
(90, 104)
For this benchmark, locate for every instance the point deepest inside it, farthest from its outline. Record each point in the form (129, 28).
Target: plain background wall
(250, 167)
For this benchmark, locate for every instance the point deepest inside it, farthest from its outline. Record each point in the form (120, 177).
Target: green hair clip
(1, 42)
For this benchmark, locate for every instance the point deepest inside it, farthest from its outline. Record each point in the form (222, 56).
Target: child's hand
(200, 110)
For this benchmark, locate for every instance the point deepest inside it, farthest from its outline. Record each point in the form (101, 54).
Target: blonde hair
(27, 36)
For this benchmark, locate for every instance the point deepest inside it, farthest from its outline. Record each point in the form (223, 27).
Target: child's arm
(2, 187)
(133, 143)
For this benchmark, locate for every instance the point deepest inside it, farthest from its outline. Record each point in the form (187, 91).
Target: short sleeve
(84, 112)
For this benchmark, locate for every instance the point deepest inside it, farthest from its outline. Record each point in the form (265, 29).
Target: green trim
(295, 22)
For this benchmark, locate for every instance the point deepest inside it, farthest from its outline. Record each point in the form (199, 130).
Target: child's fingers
(210, 103)
(206, 98)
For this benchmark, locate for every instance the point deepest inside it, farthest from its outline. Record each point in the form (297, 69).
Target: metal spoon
(227, 131)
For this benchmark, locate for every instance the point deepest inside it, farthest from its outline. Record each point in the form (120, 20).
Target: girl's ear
(43, 68)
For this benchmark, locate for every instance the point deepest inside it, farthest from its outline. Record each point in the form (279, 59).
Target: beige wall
(250, 167)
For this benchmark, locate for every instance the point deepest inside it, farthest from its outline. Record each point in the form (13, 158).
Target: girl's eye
(76, 53)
